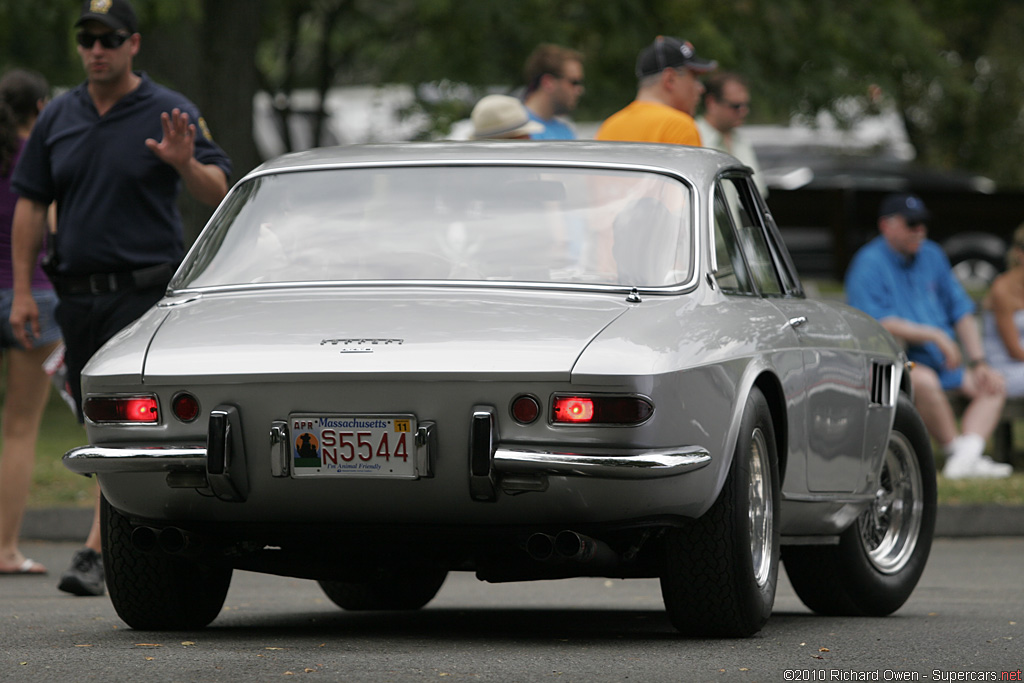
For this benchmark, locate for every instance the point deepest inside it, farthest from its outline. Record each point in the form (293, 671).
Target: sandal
(28, 567)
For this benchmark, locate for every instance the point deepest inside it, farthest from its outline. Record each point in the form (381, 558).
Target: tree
(949, 67)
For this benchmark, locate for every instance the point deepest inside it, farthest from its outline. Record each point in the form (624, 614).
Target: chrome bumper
(607, 465)
(97, 460)
(625, 465)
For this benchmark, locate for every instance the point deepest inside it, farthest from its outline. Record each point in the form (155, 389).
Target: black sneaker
(85, 576)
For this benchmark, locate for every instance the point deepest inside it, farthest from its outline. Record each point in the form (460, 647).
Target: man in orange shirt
(666, 98)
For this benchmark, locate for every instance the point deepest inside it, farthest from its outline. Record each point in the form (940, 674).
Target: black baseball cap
(666, 52)
(116, 14)
(907, 205)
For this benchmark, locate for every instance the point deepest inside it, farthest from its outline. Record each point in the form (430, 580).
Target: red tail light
(573, 409)
(132, 409)
(605, 410)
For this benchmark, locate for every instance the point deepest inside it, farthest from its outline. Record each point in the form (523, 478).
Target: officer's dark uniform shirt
(116, 200)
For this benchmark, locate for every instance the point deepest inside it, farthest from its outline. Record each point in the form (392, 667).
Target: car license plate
(353, 445)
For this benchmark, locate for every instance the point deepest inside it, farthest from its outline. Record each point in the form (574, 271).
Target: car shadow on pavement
(525, 624)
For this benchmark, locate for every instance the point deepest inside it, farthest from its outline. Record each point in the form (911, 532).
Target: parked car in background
(826, 205)
(381, 364)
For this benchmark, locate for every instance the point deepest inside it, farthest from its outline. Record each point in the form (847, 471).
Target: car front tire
(881, 556)
(721, 570)
(154, 591)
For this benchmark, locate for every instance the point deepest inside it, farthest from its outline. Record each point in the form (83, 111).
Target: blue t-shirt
(554, 129)
(922, 289)
(116, 201)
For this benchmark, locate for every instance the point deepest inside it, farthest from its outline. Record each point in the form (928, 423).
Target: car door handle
(798, 321)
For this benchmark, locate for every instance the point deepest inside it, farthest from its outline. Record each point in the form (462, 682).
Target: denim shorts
(46, 300)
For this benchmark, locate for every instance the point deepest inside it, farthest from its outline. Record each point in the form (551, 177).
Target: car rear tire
(154, 591)
(721, 570)
(880, 557)
(396, 589)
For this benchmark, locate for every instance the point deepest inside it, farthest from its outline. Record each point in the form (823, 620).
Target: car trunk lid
(320, 331)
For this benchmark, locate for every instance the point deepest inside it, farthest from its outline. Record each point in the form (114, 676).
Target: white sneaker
(981, 467)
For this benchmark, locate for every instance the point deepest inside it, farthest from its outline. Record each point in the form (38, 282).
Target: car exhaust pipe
(570, 545)
(541, 547)
(144, 538)
(174, 540)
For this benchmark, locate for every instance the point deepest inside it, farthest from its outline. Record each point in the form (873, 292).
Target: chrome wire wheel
(890, 528)
(761, 508)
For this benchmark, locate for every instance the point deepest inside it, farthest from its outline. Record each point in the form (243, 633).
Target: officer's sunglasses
(110, 41)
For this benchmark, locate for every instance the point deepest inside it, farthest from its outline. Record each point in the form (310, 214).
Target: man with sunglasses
(112, 154)
(905, 281)
(726, 105)
(554, 85)
(668, 92)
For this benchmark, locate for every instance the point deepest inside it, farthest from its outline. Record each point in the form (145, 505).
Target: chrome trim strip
(650, 464)
(623, 290)
(843, 498)
(99, 460)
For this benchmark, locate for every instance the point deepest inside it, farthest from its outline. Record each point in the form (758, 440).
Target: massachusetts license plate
(353, 445)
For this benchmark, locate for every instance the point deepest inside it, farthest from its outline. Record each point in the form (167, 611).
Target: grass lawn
(55, 486)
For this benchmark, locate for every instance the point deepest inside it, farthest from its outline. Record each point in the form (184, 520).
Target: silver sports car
(381, 364)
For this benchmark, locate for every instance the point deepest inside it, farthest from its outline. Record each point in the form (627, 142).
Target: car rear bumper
(619, 464)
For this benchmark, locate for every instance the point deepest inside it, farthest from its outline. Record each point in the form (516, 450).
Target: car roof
(698, 164)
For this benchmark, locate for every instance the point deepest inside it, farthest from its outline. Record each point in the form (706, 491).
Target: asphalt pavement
(962, 623)
(952, 521)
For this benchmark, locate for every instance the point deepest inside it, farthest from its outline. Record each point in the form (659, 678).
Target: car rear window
(449, 223)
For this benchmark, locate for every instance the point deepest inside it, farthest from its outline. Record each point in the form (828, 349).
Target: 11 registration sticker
(353, 445)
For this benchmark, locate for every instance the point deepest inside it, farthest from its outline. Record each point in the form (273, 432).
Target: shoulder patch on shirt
(205, 128)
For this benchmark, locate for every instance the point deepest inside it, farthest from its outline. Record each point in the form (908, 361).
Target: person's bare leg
(983, 412)
(933, 405)
(28, 388)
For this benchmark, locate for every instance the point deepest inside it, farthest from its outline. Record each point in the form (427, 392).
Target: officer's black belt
(108, 283)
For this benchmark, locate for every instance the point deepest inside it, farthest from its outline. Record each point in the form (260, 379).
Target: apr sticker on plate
(353, 445)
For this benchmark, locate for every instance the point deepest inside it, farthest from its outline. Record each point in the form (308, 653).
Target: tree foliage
(951, 68)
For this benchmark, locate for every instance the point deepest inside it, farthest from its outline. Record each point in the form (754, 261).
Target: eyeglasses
(736, 106)
(915, 225)
(110, 41)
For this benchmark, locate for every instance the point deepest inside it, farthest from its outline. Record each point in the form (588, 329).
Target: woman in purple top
(22, 96)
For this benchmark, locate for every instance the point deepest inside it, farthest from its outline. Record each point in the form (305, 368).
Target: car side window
(731, 271)
(738, 200)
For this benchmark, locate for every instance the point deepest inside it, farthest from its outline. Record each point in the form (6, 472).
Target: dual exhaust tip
(569, 546)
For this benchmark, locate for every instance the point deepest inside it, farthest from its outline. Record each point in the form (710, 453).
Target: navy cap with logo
(666, 52)
(907, 205)
(116, 14)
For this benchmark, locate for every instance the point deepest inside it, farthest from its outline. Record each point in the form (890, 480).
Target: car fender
(759, 373)
(122, 359)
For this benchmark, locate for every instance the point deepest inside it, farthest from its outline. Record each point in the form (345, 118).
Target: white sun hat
(502, 116)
